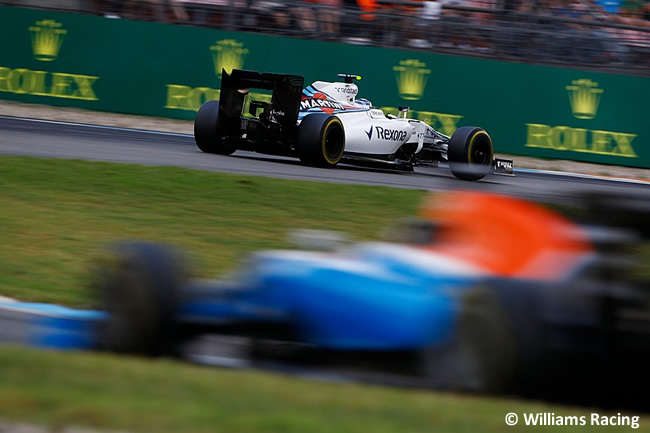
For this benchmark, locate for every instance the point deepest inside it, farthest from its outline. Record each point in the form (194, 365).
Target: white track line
(583, 176)
(173, 134)
(88, 125)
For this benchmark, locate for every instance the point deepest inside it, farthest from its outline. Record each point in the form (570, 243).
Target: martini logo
(584, 96)
(47, 38)
(228, 54)
(320, 101)
(411, 76)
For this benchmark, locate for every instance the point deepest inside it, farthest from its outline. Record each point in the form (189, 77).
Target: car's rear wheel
(320, 141)
(138, 284)
(470, 153)
(480, 357)
(207, 135)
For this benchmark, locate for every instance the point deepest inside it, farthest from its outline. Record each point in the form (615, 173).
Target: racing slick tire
(207, 135)
(320, 141)
(470, 153)
(480, 357)
(138, 284)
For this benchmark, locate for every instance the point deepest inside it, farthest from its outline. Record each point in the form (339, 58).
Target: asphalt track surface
(97, 143)
(86, 142)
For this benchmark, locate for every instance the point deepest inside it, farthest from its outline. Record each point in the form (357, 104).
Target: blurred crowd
(603, 34)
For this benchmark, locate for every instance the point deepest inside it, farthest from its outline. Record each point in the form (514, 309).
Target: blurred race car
(481, 293)
(326, 123)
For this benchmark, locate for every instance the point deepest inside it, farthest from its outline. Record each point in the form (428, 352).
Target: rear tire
(207, 135)
(481, 356)
(470, 153)
(320, 141)
(138, 284)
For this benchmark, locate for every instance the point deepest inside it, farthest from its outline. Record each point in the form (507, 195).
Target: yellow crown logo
(584, 97)
(47, 38)
(411, 78)
(228, 54)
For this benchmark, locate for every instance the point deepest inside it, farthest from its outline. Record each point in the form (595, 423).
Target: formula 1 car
(482, 293)
(326, 123)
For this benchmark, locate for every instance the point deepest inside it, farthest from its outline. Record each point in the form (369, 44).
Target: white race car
(325, 123)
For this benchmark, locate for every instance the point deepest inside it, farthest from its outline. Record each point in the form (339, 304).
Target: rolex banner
(169, 71)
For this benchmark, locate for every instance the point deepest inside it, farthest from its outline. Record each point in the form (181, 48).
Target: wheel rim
(480, 153)
(333, 143)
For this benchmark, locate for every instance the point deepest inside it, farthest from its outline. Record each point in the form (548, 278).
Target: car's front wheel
(320, 141)
(470, 153)
(138, 284)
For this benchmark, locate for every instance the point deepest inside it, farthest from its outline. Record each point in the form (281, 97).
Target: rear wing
(285, 100)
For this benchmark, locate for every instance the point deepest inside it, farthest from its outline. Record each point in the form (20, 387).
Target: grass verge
(109, 392)
(56, 215)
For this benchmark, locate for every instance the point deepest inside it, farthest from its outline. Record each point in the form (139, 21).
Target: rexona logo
(387, 134)
(227, 54)
(47, 39)
(584, 99)
(411, 76)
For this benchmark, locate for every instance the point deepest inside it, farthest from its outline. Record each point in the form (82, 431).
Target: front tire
(320, 141)
(470, 153)
(207, 135)
(138, 284)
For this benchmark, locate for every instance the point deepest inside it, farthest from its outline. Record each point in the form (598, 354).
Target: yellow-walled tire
(320, 141)
(470, 153)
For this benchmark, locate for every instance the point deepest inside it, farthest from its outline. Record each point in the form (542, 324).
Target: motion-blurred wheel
(481, 356)
(138, 285)
(470, 153)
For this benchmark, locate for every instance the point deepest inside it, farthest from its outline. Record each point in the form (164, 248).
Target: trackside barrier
(168, 70)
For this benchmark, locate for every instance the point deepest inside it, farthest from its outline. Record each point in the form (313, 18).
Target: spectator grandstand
(604, 35)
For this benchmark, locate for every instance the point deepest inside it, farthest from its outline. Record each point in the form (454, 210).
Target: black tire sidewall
(311, 140)
(207, 135)
(481, 355)
(461, 145)
(139, 291)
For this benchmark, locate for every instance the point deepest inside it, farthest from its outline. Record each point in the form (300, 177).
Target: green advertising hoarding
(167, 70)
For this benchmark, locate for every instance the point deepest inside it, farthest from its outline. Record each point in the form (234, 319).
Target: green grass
(108, 392)
(56, 215)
